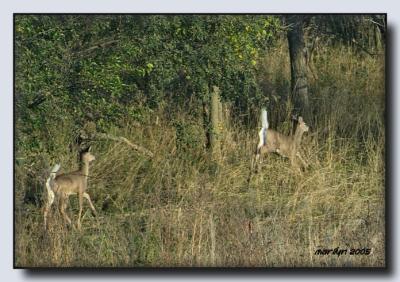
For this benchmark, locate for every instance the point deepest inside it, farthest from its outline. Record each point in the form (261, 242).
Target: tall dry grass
(184, 208)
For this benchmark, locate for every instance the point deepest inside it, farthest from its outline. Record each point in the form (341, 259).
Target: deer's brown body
(73, 183)
(286, 146)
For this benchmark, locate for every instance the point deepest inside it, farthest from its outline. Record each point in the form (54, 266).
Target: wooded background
(185, 91)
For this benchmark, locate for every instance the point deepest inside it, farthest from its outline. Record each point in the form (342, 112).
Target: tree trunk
(298, 65)
(206, 122)
(216, 122)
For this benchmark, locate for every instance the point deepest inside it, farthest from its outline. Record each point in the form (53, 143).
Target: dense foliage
(104, 67)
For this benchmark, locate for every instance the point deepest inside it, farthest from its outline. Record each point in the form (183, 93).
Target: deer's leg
(295, 164)
(87, 197)
(293, 160)
(49, 203)
(258, 157)
(80, 195)
(63, 207)
(261, 150)
(302, 160)
(260, 144)
(257, 161)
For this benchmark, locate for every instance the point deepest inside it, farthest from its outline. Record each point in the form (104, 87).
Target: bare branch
(137, 148)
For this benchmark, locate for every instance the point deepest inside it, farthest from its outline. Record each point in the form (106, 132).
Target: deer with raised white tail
(72, 183)
(272, 141)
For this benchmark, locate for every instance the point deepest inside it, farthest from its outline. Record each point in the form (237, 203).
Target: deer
(64, 185)
(271, 141)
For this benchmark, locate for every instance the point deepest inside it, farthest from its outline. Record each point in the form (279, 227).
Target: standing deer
(72, 183)
(272, 141)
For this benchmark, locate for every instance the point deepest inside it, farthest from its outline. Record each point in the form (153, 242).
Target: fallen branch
(97, 135)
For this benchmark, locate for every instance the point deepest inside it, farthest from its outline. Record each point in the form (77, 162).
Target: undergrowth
(184, 208)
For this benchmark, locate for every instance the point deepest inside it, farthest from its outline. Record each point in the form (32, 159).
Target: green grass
(184, 208)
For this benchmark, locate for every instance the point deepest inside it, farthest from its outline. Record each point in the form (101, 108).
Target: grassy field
(183, 208)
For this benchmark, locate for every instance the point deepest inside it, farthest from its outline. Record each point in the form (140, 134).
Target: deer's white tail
(50, 192)
(263, 132)
(264, 119)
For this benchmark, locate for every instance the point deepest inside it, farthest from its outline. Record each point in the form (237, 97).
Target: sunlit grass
(184, 208)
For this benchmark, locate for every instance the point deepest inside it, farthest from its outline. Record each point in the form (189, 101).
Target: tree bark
(206, 122)
(298, 65)
(216, 122)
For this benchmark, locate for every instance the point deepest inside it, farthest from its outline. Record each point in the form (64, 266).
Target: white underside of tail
(262, 134)
(50, 192)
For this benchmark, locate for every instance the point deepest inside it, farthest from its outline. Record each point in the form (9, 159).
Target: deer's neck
(85, 169)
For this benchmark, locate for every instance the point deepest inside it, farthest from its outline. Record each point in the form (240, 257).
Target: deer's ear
(89, 149)
(85, 150)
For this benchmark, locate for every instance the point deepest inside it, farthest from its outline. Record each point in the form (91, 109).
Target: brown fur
(286, 146)
(72, 183)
